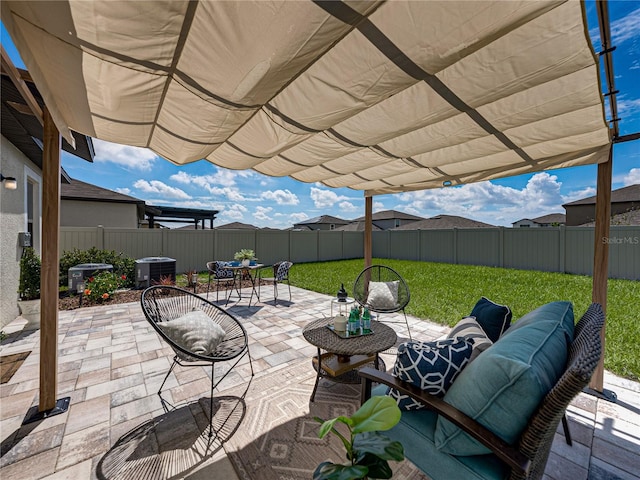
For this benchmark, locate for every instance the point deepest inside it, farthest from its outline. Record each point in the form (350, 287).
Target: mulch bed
(128, 296)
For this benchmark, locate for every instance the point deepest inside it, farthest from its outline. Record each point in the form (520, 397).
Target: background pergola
(381, 97)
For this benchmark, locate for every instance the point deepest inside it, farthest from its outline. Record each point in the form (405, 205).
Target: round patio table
(343, 356)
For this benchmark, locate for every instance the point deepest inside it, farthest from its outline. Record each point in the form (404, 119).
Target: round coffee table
(343, 356)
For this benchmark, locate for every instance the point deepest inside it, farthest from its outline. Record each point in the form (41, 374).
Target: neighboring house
(388, 219)
(631, 217)
(443, 222)
(584, 211)
(86, 205)
(237, 226)
(323, 222)
(21, 209)
(551, 220)
(357, 226)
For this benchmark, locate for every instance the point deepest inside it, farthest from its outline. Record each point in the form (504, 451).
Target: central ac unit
(150, 269)
(80, 273)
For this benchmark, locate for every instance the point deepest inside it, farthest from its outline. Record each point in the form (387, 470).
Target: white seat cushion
(195, 332)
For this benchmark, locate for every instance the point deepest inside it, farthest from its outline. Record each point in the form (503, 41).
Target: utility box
(24, 239)
(80, 273)
(150, 269)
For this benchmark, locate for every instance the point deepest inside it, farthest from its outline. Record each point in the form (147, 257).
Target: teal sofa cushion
(416, 431)
(502, 387)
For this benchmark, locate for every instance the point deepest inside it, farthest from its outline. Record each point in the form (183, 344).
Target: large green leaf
(378, 468)
(332, 471)
(377, 444)
(377, 413)
(327, 426)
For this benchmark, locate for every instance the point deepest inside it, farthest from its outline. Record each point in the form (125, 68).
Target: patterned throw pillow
(469, 328)
(383, 295)
(195, 332)
(431, 366)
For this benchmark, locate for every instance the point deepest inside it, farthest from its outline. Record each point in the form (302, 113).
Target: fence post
(165, 242)
(455, 246)
(501, 247)
(562, 267)
(100, 237)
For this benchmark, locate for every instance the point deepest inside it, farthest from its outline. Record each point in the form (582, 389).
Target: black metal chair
(220, 274)
(164, 303)
(280, 275)
(382, 290)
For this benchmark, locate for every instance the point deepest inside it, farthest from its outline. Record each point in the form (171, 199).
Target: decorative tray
(349, 335)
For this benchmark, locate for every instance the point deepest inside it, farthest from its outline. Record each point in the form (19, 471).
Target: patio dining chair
(220, 274)
(199, 332)
(280, 275)
(382, 290)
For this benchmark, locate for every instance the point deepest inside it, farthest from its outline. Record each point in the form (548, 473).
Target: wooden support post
(601, 256)
(368, 220)
(50, 265)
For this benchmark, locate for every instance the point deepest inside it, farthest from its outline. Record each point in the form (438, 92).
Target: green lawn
(445, 293)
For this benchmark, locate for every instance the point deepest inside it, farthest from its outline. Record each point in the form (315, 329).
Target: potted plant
(29, 288)
(245, 256)
(368, 451)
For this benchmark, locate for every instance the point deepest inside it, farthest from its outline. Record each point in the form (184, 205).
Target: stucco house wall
(13, 219)
(76, 213)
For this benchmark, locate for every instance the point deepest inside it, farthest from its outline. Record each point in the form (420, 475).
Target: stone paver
(111, 363)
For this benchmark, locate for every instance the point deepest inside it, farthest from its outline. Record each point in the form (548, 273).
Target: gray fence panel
(478, 246)
(353, 244)
(304, 247)
(329, 245)
(405, 245)
(624, 252)
(579, 250)
(142, 243)
(80, 238)
(272, 246)
(228, 242)
(192, 249)
(532, 249)
(381, 244)
(437, 246)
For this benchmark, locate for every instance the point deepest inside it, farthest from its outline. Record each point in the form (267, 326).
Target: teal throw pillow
(492, 317)
(502, 388)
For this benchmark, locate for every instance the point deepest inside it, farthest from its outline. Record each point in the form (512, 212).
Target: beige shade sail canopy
(382, 97)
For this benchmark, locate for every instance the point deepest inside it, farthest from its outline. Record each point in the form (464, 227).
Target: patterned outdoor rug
(9, 364)
(278, 437)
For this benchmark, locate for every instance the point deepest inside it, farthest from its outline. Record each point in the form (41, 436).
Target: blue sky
(249, 197)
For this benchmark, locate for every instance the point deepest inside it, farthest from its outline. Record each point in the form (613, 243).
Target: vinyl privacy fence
(553, 249)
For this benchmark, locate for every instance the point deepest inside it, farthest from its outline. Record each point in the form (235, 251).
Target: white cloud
(281, 197)
(222, 183)
(262, 213)
(130, 158)
(156, 186)
(626, 28)
(377, 206)
(298, 217)
(627, 106)
(347, 207)
(124, 191)
(325, 198)
(233, 212)
(490, 203)
(632, 178)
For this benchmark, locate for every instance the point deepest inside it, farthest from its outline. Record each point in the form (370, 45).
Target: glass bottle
(366, 321)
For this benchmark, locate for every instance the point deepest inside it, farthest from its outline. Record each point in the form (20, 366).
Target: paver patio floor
(111, 363)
